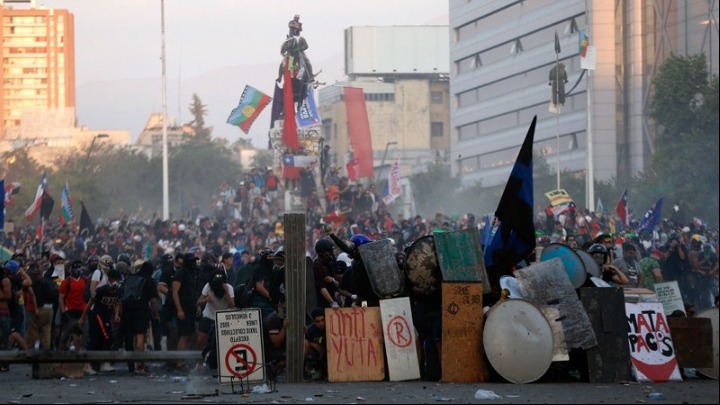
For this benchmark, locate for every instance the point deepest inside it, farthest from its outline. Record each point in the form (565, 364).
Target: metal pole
(295, 282)
(92, 144)
(387, 145)
(557, 115)
(590, 170)
(166, 187)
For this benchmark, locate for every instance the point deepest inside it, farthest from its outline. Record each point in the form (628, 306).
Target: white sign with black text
(239, 338)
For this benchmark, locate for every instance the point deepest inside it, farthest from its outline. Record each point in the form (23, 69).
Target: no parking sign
(239, 340)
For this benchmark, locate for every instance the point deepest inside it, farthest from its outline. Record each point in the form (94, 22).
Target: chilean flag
(622, 208)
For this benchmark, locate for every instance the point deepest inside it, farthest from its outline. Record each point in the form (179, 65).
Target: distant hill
(127, 104)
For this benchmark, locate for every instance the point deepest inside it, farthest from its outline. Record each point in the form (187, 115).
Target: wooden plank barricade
(462, 329)
(400, 342)
(355, 349)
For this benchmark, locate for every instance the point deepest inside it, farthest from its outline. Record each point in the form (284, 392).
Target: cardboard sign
(669, 295)
(239, 341)
(558, 197)
(400, 342)
(652, 352)
(354, 344)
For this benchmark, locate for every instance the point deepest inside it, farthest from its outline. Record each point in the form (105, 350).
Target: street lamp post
(92, 144)
(387, 145)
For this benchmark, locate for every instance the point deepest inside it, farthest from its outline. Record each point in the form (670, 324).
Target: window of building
(436, 97)
(436, 129)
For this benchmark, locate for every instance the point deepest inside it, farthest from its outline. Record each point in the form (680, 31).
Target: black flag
(46, 206)
(557, 43)
(85, 221)
(514, 239)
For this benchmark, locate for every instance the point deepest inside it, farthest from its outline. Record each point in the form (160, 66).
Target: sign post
(239, 339)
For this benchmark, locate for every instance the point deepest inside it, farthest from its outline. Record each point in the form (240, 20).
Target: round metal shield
(712, 314)
(574, 266)
(518, 341)
(590, 266)
(422, 267)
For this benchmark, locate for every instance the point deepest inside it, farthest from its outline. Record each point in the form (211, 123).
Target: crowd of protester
(145, 283)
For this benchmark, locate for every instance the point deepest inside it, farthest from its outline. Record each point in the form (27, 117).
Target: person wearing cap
(294, 26)
(651, 270)
(630, 266)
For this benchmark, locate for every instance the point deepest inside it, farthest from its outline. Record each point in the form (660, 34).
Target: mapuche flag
(66, 214)
(514, 239)
(251, 105)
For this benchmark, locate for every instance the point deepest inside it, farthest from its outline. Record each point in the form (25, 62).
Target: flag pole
(557, 110)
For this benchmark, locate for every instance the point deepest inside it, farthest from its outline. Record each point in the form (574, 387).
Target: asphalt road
(17, 387)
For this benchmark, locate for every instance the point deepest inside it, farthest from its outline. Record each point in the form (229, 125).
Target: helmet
(696, 238)
(106, 263)
(598, 248)
(360, 239)
(323, 245)
(124, 257)
(167, 258)
(673, 235)
(93, 258)
(264, 253)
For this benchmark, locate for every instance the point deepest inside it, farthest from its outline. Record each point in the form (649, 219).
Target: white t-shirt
(214, 303)
(99, 276)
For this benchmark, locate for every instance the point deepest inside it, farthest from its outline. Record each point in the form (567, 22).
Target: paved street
(120, 387)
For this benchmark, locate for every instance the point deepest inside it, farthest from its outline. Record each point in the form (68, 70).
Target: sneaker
(72, 348)
(88, 370)
(107, 368)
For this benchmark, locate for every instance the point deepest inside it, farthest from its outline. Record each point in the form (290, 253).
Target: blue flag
(514, 239)
(651, 218)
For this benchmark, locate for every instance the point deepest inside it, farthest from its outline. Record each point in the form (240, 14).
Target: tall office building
(37, 100)
(502, 52)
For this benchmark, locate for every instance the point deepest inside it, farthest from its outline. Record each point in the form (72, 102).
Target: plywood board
(693, 341)
(462, 319)
(400, 342)
(460, 256)
(354, 344)
(547, 283)
(609, 361)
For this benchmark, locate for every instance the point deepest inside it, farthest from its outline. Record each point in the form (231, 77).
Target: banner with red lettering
(651, 347)
(359, 129)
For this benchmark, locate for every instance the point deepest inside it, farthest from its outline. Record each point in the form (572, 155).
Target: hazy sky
(120, 39)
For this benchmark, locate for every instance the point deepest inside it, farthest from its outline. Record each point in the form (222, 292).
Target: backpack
(243, 295)
(88, 281)
(133, 292)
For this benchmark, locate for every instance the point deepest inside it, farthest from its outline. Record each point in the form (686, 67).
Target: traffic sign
(239, 338)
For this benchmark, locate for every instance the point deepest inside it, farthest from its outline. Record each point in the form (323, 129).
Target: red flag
(359, 129)
(290, 138)
(352, 169)
(622, 208)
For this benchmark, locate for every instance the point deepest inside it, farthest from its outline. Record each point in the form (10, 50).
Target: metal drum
(422, 267)
(574, 266)
(590, 266)
(518, 341)
(712, 314)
